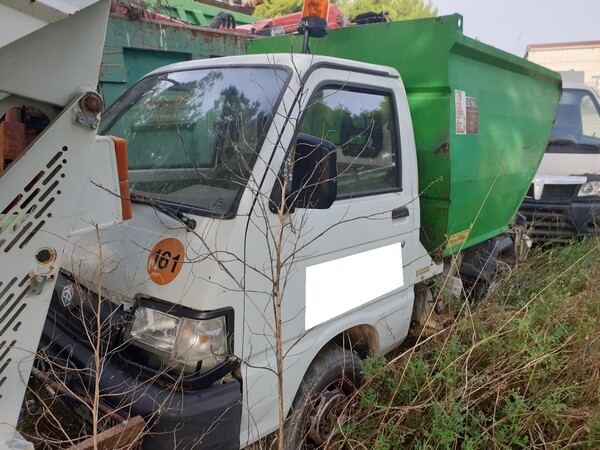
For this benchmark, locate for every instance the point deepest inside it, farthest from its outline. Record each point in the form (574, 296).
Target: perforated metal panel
(39, 197)
(40, 191)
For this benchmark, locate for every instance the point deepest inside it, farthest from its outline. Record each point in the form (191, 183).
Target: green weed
(520, 370)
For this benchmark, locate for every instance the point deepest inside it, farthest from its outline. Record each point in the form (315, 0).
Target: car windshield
(192, 136)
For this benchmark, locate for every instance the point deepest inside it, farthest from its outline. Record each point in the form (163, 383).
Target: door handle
(400, 213)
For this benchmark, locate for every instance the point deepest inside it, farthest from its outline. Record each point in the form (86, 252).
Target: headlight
(589, 188)
(180, 342)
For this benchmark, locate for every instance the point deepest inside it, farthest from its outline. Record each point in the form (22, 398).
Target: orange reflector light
(121, 154)
(125, 199)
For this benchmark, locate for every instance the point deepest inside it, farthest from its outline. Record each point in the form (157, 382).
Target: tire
(330, 381)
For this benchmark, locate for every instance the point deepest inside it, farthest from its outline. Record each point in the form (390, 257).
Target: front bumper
(178, 417)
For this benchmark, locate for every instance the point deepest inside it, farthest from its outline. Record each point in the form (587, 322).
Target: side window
(590, 118)
(362, 126)
(577, 119)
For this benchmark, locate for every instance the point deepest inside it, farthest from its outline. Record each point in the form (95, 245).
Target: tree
(275, 8)
(398, 9)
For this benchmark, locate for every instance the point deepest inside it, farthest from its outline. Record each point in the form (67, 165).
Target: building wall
(585, 58)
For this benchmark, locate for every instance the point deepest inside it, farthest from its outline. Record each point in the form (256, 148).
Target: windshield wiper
(167, 210)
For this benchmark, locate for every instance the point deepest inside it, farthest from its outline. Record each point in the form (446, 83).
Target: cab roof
(300, 63)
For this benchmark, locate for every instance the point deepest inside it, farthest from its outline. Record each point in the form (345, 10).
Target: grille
(548, 224)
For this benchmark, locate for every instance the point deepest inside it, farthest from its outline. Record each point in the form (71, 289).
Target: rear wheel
(322, 399)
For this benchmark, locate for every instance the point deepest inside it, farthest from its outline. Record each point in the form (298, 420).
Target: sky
(512, 25)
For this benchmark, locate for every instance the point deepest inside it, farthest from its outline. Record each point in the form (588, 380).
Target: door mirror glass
(314, 176)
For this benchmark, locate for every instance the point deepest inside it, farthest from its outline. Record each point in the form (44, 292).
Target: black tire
(329, 383)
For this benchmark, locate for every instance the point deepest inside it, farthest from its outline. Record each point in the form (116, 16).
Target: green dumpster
(482, 118)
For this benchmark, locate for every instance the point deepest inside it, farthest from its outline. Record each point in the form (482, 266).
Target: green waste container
(482, 118)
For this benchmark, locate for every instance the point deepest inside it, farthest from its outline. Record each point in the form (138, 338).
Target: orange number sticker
(165, 261)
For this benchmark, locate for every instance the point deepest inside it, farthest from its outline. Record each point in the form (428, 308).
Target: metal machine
(49, 59)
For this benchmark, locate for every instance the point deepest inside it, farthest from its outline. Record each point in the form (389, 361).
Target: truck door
(366, 232)
(340, 267)
(352, 254)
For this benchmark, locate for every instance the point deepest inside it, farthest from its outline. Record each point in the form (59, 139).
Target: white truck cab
(564, 200)
(216, 277)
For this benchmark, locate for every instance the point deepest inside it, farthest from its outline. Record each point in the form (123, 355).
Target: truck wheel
(322, 398)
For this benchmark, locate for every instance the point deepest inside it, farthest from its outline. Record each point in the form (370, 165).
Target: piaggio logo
(66, 295)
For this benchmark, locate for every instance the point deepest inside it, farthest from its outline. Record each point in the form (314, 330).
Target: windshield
(192, 136)
(577, 125)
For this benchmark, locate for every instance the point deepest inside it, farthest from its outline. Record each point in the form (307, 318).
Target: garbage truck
(289, 214)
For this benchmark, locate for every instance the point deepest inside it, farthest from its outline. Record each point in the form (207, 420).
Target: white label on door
(337, 286)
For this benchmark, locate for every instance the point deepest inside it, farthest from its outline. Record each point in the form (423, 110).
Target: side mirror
(314, 177)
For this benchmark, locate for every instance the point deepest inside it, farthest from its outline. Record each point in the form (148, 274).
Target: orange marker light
(121, 152)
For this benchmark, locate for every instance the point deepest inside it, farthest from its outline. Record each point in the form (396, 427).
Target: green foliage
(275, 8)
(521, 370)
(398, 9)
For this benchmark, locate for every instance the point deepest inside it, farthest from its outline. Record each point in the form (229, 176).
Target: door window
(363, 128)
(589, 118)
(577, 125)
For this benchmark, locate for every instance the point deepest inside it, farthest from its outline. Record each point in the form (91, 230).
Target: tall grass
(519, 370)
